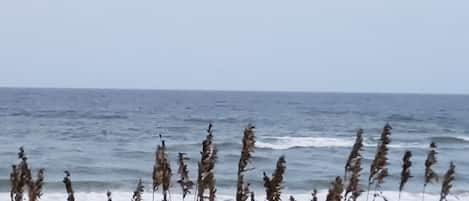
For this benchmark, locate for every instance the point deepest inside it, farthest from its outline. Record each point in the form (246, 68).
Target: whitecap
(287, 142)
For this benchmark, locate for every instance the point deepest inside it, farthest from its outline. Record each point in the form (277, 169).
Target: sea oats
(248, 145)
(405, 173)
(430, 174)
(378, 170)
(184, 181)
(448, 182)
(273, 186)
(206, 165)
(353, 167)
(138, 193)
(68, 186)
(335, 190)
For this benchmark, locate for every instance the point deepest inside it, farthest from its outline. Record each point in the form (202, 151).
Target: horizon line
(235, 90)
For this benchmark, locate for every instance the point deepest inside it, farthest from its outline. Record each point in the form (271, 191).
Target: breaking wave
(288, 142)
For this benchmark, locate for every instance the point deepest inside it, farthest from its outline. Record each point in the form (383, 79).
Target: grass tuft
(249, 140)
(448, 179)
(68, 186)
(405, 173)
(273, 186)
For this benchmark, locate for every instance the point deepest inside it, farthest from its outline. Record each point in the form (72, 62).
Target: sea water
(107, 138)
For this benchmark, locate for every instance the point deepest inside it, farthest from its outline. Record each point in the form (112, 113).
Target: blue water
(107, 138)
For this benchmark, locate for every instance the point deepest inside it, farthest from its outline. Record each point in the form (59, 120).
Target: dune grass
(346, 188)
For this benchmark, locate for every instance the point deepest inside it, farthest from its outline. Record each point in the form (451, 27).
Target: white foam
(287, 142)
(125, 196)
(465, 138)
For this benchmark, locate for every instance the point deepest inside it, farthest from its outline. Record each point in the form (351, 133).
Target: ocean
(107, 138)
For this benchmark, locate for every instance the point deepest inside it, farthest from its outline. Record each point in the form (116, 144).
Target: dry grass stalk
(378, 170)
(68, 186)
(292, 198)
(14, 176)
(405, 173)
(353, 167)
(242, 192)
(355, 152)
(430, 175)
(161, 171)
(109, 196)
(315, 195)
(447, 181)
(35, 187)
(335, 190)
(184, 181)
(273, 186)
(253, 197)
(206, 176)
(20, 177)
(138, 193)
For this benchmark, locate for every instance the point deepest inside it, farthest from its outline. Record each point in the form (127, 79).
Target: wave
(72, 114)
(400, 117)
(450, 139)
(125, 196)
(208, 120)
(288, 142)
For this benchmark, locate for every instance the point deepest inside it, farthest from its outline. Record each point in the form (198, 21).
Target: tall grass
(314, 195)
(138, 192)
(353, 167)
(273, 185)
(248, 144)
(68, 186)
(405, 173)
(448, 179)
(35, 186)
(206, 166)
(378, 168)
(346, 189)
(184, 180)
(430, 174)
(335, 190)
(161, 171)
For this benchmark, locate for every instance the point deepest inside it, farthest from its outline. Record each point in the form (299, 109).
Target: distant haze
(419, 46)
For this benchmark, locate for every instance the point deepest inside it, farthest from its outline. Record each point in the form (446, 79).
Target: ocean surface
(107, 138)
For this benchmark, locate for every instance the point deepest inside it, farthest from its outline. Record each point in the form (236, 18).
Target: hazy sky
(349, 46)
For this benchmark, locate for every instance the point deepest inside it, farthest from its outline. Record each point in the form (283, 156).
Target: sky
(399, 46)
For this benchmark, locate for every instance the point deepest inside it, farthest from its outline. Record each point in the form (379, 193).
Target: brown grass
(273, 186)
(20, 177)
(22, 181)
(314, 194)
(353, 167)
(335, 190)
(138, 193)
(405, 173)
(448, 181)
(430, 174)
(35, 187)
(184, 181)
(378, 170)
(206, 176)
(249, 140)
(68, 186)
(161, 171)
